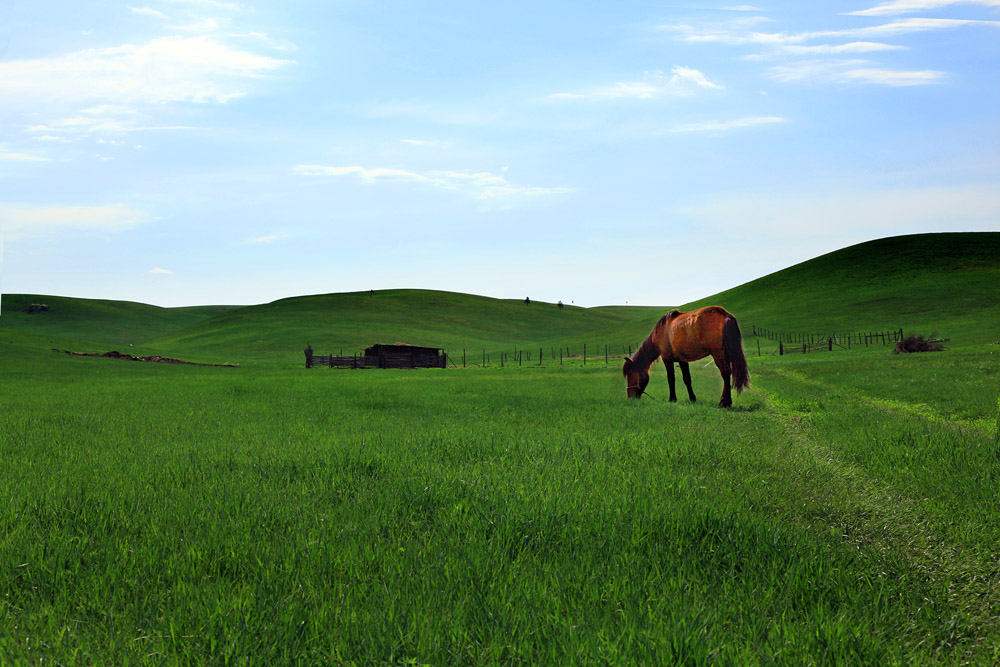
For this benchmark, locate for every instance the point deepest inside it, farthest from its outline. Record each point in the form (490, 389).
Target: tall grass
(171, 515)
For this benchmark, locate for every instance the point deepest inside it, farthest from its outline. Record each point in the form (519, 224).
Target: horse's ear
(627, 366)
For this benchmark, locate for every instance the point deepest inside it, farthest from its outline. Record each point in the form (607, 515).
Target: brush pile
(918, 344)
(115, 354)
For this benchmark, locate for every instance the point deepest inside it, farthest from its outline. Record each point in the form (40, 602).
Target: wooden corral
(383, 356)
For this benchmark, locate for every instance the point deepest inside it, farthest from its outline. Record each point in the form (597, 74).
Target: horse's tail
(732, 346)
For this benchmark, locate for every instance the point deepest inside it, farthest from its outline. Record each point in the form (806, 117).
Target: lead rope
(642, 392)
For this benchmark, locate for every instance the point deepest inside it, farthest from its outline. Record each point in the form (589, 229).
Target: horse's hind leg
(686, 374)
(670, 380)
(727, 394)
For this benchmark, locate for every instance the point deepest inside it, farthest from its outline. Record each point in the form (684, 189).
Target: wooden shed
(398, 355)
(405, 356)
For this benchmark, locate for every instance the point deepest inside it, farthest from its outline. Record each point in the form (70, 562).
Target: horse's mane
(648, 351)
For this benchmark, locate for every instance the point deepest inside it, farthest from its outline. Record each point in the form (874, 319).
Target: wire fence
(791, 343)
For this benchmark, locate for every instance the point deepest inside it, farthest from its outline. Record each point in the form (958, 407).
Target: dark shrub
(918, 344)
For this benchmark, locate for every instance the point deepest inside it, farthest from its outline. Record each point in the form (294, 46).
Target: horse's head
(636, 379)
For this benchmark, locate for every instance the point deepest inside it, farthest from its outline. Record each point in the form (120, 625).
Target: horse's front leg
(670, 379)
(686, 374)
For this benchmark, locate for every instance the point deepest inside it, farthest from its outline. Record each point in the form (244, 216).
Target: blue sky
(184, 152)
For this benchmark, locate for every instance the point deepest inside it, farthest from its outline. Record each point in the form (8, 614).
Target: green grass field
(845, 511)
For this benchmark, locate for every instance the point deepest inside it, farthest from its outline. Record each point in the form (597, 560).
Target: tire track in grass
(880, 519)
(890, 405)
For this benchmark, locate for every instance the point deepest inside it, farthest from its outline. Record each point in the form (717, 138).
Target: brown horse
(687, 337)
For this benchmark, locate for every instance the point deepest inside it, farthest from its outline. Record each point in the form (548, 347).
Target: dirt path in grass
(878, 520)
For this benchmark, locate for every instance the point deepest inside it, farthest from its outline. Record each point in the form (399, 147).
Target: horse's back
(695, 334)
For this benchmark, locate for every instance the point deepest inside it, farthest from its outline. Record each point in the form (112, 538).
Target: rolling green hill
(349, 322)
(114, 323)
(947, 283)
(944, 283)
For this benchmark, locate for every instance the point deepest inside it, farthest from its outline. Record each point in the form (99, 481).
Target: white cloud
(103, 119)
(167, 69)
(736, 34)
(271, 238)
(482, 185)
(22, 221)
(819, 63)
(201, 25)
(424, 143)
(19, 157)
(801, 50)
(910, 6)
(149, 11)
(215, 4)
(161, 272)
(684, 81)
(850, 71)
(902, 27)
(887, 77)
(724, 125)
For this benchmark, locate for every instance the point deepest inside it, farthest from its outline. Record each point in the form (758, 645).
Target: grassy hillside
(924, 283)
(112, 323)
(353, 321)
(944, 283)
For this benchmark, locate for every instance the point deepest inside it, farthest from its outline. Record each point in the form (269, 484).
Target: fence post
(829, 343)
(539, 356)
(758, 346)
(584, 354)
(781, 348)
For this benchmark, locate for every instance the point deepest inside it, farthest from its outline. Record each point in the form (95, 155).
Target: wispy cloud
(735, 34)
(149, 11)
(683, 81)
(887, 77)
(269, 239)
(166, 69)
(482, 185)
(214, 4)
(802, 50)
(424, 143)
(818, 63)
(157, 271)
(909, 6)
(725, 125)
(103, 119)
(21, 221)
(19, 157)
(851, 71)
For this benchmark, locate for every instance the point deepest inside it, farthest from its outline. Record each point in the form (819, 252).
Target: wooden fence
(387, 360)
(788, 343)
(791, 343)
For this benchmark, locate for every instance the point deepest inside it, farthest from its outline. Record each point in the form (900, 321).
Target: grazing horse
(687, 337)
